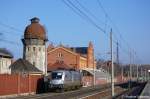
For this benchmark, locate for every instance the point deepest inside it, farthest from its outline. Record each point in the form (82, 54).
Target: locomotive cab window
(56, 75)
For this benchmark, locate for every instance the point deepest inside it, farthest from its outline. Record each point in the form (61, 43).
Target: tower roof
(35, 30)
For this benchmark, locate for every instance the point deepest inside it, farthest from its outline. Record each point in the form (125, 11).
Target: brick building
(78, 58)
(70, 57)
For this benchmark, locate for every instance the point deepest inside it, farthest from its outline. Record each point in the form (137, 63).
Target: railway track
(133, 93)
(104, 94)
(84, 93)
(65, 95)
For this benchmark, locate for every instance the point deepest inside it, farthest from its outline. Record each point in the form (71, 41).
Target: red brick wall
(24, 84)
(68, 58)
(8, 84)
(17, 84)
(36, 83)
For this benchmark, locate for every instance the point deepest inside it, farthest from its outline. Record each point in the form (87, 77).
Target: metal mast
(112, 65)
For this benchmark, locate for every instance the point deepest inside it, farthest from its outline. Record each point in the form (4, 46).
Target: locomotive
(64, 79)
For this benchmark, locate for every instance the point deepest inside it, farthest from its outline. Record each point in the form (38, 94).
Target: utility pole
(94, 82)
(130, 71)
(118, 64)
(117, 60)
(149, 75)
(117, 53)
(112, 65)
(141, 73)
(137, 72)
(122, 76)
(145, 74)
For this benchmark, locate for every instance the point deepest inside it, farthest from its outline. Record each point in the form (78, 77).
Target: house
(5, 61)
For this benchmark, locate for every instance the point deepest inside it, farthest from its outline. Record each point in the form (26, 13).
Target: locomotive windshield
(57, 75)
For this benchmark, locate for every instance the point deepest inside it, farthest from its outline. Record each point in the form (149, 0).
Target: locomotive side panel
(65, 79)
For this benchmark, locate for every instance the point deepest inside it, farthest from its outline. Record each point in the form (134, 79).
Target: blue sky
(131, 17)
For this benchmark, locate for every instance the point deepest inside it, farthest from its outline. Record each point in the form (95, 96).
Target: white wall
(36, 55)
(4, 65)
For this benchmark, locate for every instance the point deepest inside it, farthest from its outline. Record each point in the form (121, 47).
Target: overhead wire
(85, 15)
(10, 27)
(120, 35)
(4, 32)
(10, 42)
(82, 14)
(17, 31)
(89, 12)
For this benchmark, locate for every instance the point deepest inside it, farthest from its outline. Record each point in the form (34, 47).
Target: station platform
(145, 94)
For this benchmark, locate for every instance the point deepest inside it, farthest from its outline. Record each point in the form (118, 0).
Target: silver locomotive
(64, 79)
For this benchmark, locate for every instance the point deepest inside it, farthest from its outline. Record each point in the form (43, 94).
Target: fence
(19, 84)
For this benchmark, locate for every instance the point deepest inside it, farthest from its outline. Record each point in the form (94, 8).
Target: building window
(60, 55)
(34, 63)
(59, 61)
(28, 48)
(39, 48)
(6, 63)
(33, 48)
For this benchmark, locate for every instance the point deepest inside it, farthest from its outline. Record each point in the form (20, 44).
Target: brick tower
(90, 56)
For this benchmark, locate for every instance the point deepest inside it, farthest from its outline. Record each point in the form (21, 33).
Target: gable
(63, 49)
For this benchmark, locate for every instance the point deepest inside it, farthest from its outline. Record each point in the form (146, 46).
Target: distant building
(5, 61)
(71, 57)
(34, 42)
